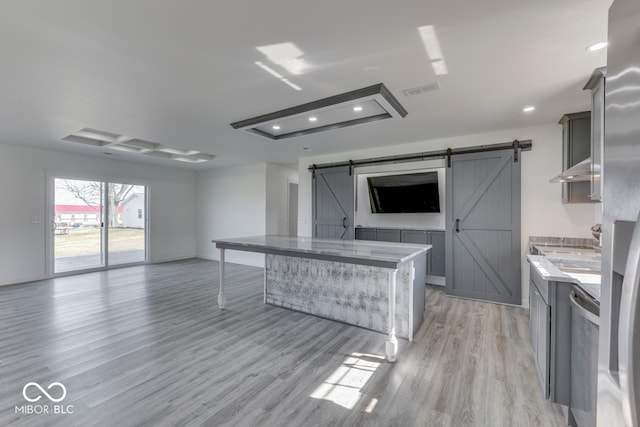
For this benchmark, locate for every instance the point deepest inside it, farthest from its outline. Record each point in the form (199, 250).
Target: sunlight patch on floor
(343, 387)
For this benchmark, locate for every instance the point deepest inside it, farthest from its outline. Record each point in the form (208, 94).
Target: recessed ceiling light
(357, 108)
(275, 127)
(596, 46)
(337, 112)
(529, 109)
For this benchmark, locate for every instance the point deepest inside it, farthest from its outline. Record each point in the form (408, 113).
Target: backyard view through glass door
(82, 209)
(126, 223)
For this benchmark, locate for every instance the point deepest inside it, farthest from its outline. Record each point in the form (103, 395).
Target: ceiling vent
(422, 89)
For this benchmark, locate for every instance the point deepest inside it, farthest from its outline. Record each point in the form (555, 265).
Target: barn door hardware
(516, 148)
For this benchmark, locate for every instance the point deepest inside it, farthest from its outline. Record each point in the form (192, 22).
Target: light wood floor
(147, 345)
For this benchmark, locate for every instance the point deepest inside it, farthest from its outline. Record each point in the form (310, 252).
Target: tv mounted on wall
(406, 193)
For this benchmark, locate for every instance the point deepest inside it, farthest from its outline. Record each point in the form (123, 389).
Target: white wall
(363, 215)
(543, 214)
(241, 201)
(24, 174)
(231, 203)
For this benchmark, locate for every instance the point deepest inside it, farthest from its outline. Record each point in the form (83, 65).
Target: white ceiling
(178, 72)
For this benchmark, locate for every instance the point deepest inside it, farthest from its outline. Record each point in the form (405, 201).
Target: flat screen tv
(406, 193)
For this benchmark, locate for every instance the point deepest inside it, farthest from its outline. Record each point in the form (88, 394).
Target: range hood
(578, 172)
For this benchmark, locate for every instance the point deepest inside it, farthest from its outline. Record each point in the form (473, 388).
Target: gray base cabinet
(550, 333)
(435, 257)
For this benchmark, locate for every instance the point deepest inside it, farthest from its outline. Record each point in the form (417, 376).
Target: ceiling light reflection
(432, 46)
(596, 46)
(277, 75)
(287, 55)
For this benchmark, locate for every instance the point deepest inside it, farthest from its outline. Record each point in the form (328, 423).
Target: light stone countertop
(589, 279)
(381, 254)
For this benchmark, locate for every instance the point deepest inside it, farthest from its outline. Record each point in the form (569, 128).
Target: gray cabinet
(550, 334)
(435, 262)
(540, 331)
(365, 233)
(435, 257)
(388, 235)
(415, 236)
(596, 85)
(576, 147)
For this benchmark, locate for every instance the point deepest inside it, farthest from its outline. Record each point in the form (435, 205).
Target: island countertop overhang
(363, 252)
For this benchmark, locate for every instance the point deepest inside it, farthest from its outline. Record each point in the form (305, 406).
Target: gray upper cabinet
(576, 147)
(596, 85)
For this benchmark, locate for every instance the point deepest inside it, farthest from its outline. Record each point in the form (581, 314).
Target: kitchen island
(374, 285)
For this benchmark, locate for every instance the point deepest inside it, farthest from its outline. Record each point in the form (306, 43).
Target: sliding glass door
(97, 224)
(126, 231)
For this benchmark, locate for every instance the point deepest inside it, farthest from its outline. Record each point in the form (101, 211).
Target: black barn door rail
(515, 145)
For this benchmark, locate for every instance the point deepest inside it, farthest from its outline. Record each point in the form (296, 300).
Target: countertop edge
(352, 258)
(550, 272)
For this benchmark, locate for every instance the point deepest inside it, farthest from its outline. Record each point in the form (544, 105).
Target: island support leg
(392, 341)
(222, 299)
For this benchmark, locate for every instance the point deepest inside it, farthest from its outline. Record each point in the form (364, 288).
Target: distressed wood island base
(348, 281)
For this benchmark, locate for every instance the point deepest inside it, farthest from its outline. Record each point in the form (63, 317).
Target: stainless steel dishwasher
(585, 322)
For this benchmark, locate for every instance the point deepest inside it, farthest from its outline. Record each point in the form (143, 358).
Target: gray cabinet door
(483, 227)
(420, 237)
(333, 204)
(414, 236)
(437, 253)
(386, 235)
(365, 234)
(597, 139)
(576, 147)
(543, 319)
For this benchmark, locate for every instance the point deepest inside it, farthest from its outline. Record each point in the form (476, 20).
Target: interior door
(483, 226)
(333, 203)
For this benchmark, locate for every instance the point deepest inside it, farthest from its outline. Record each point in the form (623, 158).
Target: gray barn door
(483, 226)
(333, 204)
